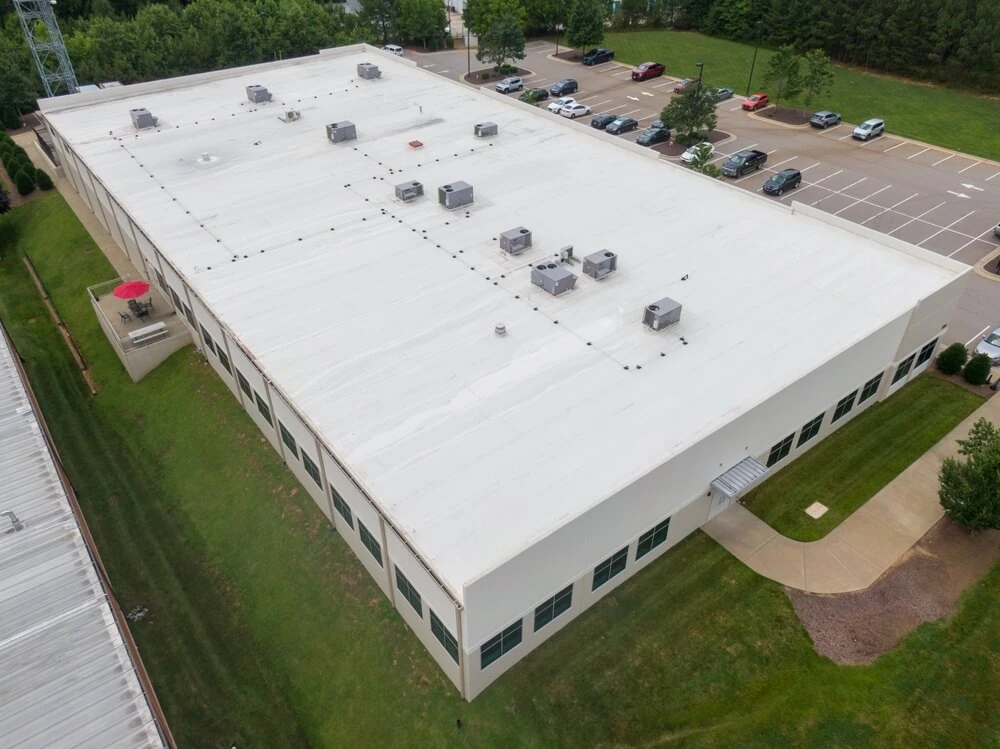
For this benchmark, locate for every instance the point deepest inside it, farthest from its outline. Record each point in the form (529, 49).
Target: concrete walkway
(858, 551)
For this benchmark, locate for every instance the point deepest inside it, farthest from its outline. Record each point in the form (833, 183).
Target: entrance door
(720, 501)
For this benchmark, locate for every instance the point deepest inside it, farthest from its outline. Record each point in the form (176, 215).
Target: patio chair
(148, 304)
(125, 316)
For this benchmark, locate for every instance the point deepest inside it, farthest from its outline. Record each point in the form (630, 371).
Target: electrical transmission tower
(38, 20)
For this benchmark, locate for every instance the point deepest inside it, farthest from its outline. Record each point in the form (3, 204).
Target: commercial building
(512, 359)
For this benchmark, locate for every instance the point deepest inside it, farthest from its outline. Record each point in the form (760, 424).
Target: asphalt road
(938, 199)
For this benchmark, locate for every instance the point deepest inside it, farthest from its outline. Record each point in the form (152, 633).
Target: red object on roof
(131, 289)
(416, 144)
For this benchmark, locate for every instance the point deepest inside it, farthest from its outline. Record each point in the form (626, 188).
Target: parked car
(534, 95)
(721, 94)
(394, 49)
(648, 70)
(563, 87)
(755, 102)
(869, 129)
(598, 56)
(697, 149)
(786, 179)
(574, 110)
(660, 123)
(652, 136)
(507, 85)
(742, 162)
(601, 121)
(682, 86)
(556, 106)
(996, 231)
(825, 119)
(622, 125)
(990, 346)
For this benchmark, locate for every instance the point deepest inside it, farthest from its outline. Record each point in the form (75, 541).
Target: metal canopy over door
(734, 483)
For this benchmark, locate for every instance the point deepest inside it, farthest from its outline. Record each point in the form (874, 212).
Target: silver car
(990, 346)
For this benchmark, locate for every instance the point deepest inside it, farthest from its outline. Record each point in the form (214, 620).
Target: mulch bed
(981, 390)
(477, 76)
(993, 266)
(570, 55)
(675, 149)
(924, 585)
(786, 115)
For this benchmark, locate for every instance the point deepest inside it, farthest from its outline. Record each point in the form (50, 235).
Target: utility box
(597, 265)
(338, 132)
(515, 241)
(455, 195)
(485, 129)
(552, 277)
(142, 117)
(407, 191)
(258, 94)
(659, 315)
(369, 71)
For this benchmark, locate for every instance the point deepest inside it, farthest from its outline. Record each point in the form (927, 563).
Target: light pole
(756, 46)
(701, 69)
(468, 53)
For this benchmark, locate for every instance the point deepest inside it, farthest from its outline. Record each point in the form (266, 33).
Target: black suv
(601, 121)
(598, 56)
(786, 179)
(563, 87)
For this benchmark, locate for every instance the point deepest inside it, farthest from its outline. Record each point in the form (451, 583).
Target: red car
(648, 70)
(755, 102)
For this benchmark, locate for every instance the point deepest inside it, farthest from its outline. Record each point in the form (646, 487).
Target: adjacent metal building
(499, 453)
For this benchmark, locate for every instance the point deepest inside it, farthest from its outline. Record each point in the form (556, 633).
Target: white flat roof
(377, 317)
(66, 677)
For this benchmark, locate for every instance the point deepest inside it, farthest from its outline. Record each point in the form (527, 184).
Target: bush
(969, 490)
(952, 359)
(43, 180)
(25, 182)
(4, 201)
(449, 42)
(507, 69)
(11, 118)
(977, 371)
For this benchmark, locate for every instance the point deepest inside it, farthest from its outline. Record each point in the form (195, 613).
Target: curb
(775, 122)
(559, 60)
(980, 267)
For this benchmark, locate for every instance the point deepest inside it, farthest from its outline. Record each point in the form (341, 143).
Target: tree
(43, 180)
(783, 74)
(421, 20)
(480, 15)
(977, 371)
(818, 76)
(380, 15)
(970, 490)
(4, 201)
(504, 40)
(585, 25)
(952, 359)
(703, 163)
(690, 113)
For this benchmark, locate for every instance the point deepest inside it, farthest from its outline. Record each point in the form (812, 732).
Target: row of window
(440, 632)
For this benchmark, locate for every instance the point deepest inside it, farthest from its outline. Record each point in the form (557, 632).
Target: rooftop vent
(552, 277)
(369, 71)
(659, 315)
(455, 195)
(485, 129)
(290, 115)
(142, 118)
(515, 241)
(600, 264)
(341, 131)
(258, 94)
(407, 191)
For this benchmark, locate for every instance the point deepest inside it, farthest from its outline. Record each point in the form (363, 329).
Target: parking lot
(937, 199)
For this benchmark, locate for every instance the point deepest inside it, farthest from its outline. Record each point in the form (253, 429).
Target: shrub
(977, 371)
(969, 490)
(449, 42)
(25, 182)
(952, 359)
(43, 180)
(11, 118)
(4, 201)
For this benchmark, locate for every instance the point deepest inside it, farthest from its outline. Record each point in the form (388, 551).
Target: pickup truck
(742, 162)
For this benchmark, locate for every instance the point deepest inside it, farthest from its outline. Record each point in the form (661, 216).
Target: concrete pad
(824, 572)
(873, 539)
(910, 513)
(863, 571)
(780, 559)
(816, 510)
(739, 531)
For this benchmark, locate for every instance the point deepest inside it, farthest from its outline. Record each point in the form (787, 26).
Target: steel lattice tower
(38, 20)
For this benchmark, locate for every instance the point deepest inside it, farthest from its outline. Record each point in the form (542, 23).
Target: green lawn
(265, 631)
(939, 115)
(849, 467)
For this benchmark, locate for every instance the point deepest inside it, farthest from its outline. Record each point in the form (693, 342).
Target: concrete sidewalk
(858, 551)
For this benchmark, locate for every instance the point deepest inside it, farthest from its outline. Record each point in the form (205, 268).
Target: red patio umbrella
(131, 289)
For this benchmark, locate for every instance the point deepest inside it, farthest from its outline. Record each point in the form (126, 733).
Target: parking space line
(850, 135)
(930, 210)
(941, 161)
(832, 192)
(890, 208)
(894, 147)
(601, 103)
(980, 238)
(623, 72)
(917, 153)
(960, 171)
(736, 109)
(621, 106)
(664, 85)
(772, 167)
(631, 111)
(862, 200)
(807, 168)
(945, 228)
(592, 96)
(775, 150)
(872, 140)
(754, 173)
(995, 175)
(834, 175)
(969, 342)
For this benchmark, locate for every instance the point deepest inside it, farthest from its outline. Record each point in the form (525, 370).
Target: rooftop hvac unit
(407, 191)
(659, 315)
(290, 115)
(455, 195)
(341, 131)
(258, 94)
(552, 277)
(515, 241)
(485, 129)
(600, 264)
(142, 117)
(369, 71)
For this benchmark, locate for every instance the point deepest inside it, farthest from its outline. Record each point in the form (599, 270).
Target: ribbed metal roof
(66, 677)
(741, 478)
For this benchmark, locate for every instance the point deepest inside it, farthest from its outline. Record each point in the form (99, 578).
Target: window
(224, 360)
(844, 406)
(262, 407)
(244, 384)
(209, 343)
(409, 592)
(870, 388)
(370, 543)
(652, 538)
(288, 439)
(558, 604)
(499, 644)
(810, 429)
(159, 277)
(343, 508)
(609, 568)
(444, 637)
(926, 351)
(189, 315)
(177, 299)
(903, 369)
(312, 469)
(780, 450)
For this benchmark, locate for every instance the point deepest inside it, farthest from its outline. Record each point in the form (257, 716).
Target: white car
(869, 129)
(556, 106)
(697, 149)
(394, 49)
(574, 110)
